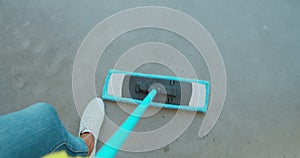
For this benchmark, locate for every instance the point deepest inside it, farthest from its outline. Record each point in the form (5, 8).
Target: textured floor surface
(259, 41)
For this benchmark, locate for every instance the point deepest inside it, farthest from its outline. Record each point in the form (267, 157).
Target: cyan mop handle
(114, 143)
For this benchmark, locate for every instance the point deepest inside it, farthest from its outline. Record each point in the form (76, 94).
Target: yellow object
(60, 154)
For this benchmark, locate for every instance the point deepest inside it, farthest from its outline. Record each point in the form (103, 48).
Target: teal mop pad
(172, 92)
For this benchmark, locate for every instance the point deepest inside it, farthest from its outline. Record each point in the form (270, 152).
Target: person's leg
(35, 132)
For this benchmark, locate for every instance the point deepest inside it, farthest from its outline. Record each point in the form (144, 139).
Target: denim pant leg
(35, 132)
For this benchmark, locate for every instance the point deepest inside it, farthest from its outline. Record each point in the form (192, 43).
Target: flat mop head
(172, 92)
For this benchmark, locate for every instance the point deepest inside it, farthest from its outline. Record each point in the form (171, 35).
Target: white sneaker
(92, 119)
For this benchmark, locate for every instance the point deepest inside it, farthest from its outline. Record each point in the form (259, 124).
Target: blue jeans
(35, 132)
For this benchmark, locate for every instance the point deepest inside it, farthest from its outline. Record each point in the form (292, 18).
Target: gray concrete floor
(259, 41)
